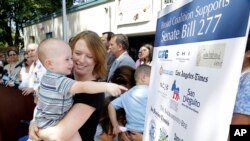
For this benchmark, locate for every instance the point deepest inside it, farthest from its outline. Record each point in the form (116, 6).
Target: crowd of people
(76, 90)
(73, 89)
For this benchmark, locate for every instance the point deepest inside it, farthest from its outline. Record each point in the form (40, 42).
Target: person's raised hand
(11, 84)
(27, 91)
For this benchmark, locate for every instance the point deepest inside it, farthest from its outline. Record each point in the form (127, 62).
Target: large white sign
(197, 61)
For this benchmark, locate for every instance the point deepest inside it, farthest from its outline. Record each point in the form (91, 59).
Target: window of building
(49, 35)
(32, 39)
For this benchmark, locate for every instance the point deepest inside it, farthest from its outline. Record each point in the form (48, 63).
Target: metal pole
(109, 12)
(64, 20)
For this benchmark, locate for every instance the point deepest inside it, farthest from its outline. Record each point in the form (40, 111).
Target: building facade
(135, 18)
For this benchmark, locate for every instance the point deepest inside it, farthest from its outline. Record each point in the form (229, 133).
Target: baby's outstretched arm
(96, 87)
(115, 89)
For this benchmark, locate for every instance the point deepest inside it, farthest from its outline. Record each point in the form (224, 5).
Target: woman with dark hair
(123, 75)
(11, 69)
(145, 55)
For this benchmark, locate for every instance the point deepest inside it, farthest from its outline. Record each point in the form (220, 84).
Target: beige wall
(95, 18)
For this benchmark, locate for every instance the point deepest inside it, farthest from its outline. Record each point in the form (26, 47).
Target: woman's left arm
(69, 125)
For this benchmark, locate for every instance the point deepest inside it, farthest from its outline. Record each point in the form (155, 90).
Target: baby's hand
(115, 89)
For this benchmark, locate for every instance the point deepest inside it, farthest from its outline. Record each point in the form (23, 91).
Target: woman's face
(12, 56)
(143, 53)
(83, 59)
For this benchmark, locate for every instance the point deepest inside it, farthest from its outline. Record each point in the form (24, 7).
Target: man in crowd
(118, 46)
(36, 71)
(106, 36)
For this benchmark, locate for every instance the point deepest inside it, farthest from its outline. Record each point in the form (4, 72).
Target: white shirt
(24, 78)
(35, 75)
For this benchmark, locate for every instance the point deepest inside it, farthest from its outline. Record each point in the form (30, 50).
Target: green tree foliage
(5, 30)
(15, 13)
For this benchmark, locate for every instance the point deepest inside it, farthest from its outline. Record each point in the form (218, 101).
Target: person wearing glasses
(11, 71)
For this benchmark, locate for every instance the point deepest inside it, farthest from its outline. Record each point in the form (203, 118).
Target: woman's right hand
(27, 91)
(33, 131)
(115, 89)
